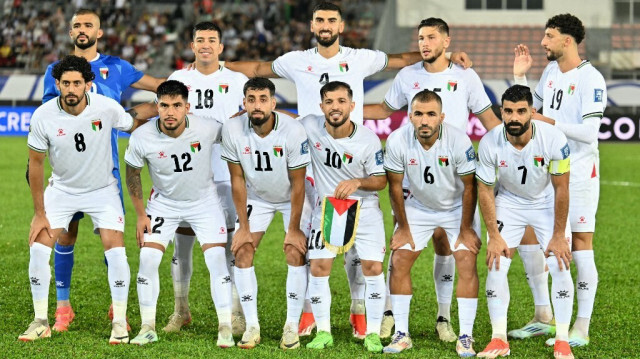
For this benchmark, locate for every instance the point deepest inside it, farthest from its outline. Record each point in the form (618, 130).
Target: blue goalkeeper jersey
(113, 76)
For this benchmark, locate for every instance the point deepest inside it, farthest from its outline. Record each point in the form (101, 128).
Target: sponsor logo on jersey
(61, 132)
(550, 84)
(247, 150)
(161, 154)
(443, 161)
(413, 162)
(416, 85)
(318, 146)
(503, 163)
(471, 154)
(223, 88)
(379, 158)
(452, 85)
(120, 219)
(309, 69)
(96, 125)
(538, 161)
(571, 89)
(582, 220)
(223, 230)
(278, 151)
(347, 157)
(597, 95)
(104, 72)
(344, 67)
(195, 147)
(304, 147)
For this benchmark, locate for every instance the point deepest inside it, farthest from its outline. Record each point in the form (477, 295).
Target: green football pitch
(613, 327)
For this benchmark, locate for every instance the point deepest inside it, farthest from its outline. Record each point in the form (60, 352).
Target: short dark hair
(73, 63)
(327, 6)
(85, 11)
(518, 93)
(427, 96)
(173, 88)
(333, 86)
(259, 83)
(567, 24)
(438, 23)
(206, 25)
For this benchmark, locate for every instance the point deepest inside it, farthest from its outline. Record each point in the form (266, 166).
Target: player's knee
(466, 264)
(401, 263)
(294, 257)
(371, 268)
(69, 237)
(244, 256)
(581, 241)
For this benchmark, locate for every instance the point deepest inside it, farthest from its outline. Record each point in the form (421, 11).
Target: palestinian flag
(572, 89)
(104, 72)
(344, 67)
(339, 223)
(96, 125)
(443, 161)
(195, 147)
(452, 85)
(223, 88)
(278, 151)
(538, 161)
(347, 157)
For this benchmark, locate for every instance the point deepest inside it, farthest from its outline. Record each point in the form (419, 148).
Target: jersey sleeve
(216, 131)
(395, 98)
(228, 151)
(298, 154)
(283, 64)
(486, 169)
(559, 162)
(538, 101)
(374, 61)
(37, 139)
(374, 158)
(594, 97)
(464, 156)
(134, 155)
(123, 120)
(129, 74)
(50, 89)
(393, 161)
(479, 101)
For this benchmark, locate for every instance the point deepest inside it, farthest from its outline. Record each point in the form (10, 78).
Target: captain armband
(559, 167)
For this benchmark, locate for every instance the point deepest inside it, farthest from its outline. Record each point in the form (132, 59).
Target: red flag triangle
(341, 205)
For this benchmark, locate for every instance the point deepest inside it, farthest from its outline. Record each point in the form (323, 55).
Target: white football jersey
(266, 161)
(434, 174)
(461, 91)
(524, 175)
(79, 146)
(570, 98)
(180, 168)
(334, 160)
(219, 96)
(309, 71)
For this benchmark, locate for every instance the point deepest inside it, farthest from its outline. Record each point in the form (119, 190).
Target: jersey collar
(186, 120)
(275, 125)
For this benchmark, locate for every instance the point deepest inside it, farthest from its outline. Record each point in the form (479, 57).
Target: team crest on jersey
(304, 147)
(452, 86)
(379, 158)
(344, 67)
(538, 161)
(503, 163)
(443, 161)
(96, 125)
(413, 162)
(571, 89)
(223, 88)
(195, 147)
(597, 95)
(347, 157)
(104, 72)
(247, 150)
(278, 151)
(550, 84)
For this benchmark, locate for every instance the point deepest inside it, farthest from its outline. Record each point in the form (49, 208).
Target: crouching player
(439, 162)
(177, 150)
(531, 162)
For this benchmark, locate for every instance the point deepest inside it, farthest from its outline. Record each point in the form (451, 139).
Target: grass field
(612, 333)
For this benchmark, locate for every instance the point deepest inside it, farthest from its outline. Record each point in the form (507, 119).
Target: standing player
(112, 76)
(214, 92)
(177, 150)
(438, 160)
(267, 154)
(531, 161)
(347, 161)
(461, 92)
(572, 95)
(310, 70)
(75, 129)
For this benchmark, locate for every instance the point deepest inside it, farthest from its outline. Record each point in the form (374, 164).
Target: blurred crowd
(156, 37)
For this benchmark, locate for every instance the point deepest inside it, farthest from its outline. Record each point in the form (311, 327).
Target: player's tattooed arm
(134, 185)
(142, 113)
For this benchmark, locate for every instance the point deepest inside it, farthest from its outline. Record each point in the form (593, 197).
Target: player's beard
(256, 121)
(84, 45)
(71, 100)
(328, 42)
(517, 129)
(425, 136)
(174, 127)
(553, 56)
(338, 123)
(435, 54)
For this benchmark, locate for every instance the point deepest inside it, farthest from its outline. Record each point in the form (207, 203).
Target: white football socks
(561, 296)
(497, 291)
(401, 304)
(538, 279)
(374, 300)
(320, 296)
(119, 278)
(354, 275)
(148, 284)
(444, 271)
(220, 281)
(586, 285)
(296, 290)
(388, 306)
(247, 286)
(40, 277)
(467, 308)
(181, 270)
